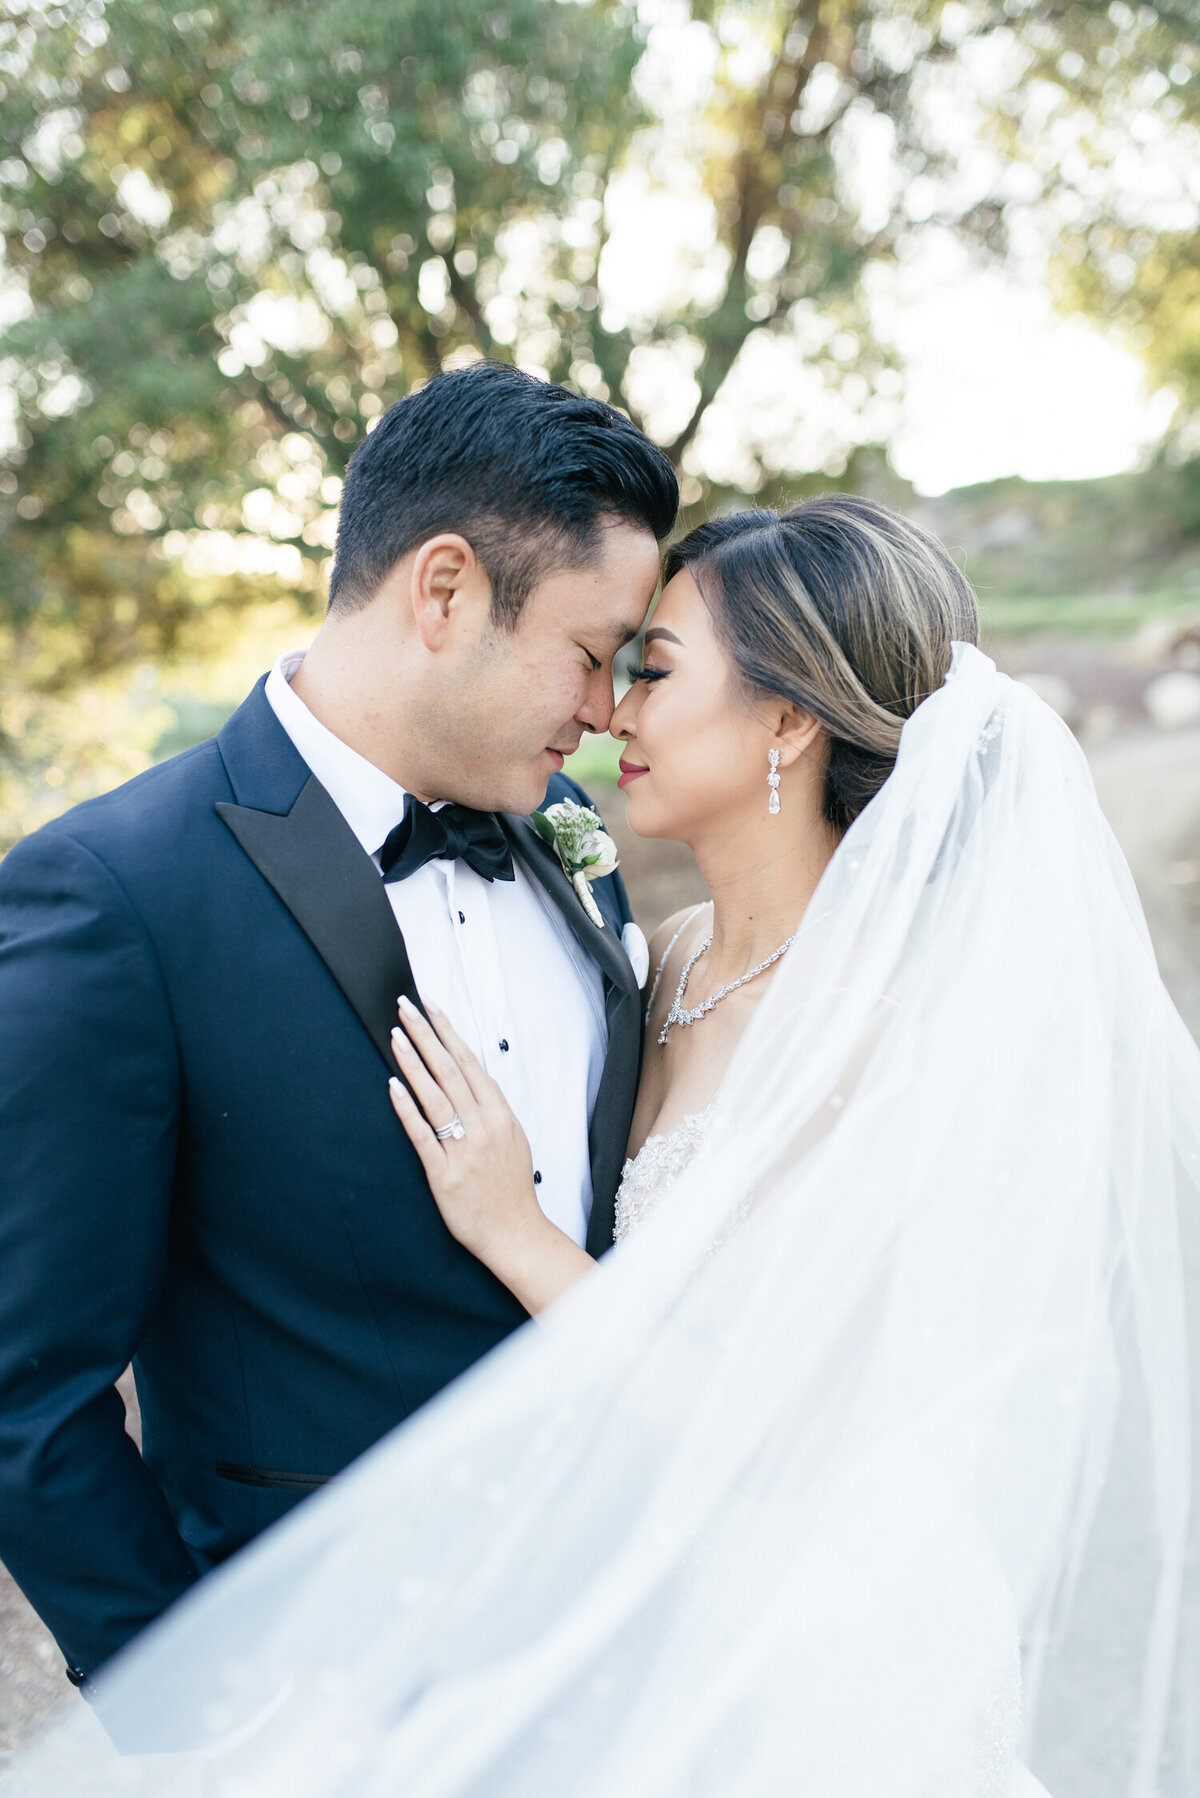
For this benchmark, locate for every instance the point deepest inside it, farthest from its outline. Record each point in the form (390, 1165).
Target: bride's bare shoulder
(668, 929)
(670, 946)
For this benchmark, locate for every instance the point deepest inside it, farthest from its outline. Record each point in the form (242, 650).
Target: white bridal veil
(861, 1469)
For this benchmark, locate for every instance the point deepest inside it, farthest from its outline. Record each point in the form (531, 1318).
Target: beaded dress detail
(657, 1164)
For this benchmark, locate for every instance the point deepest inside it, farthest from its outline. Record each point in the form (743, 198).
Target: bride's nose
(621, 724)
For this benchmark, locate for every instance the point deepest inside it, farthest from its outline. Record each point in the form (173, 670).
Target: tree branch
(731, 327)
(466, 299)
(608, 345)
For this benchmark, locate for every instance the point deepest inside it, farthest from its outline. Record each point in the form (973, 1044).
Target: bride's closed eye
(650, 674)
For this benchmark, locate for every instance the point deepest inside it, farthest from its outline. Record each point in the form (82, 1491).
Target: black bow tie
(453, 832)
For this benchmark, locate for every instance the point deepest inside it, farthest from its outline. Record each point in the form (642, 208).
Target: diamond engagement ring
(452, 1131)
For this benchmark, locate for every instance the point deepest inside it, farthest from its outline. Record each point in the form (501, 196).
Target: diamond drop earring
(773, 783)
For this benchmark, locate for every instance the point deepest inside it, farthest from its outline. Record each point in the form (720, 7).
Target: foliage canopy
(233, 234)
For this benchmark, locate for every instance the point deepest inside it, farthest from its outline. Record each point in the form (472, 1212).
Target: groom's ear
(447, 589)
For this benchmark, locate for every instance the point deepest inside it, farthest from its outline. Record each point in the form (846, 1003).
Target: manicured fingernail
(394, 1086)
(407, 1006)
(400, 1042)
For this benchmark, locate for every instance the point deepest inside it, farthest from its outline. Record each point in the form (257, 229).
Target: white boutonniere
(584, 848)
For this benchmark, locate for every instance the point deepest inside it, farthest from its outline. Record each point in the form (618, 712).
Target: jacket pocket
(271, 1476)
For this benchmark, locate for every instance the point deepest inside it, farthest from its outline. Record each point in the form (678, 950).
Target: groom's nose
(599, 701)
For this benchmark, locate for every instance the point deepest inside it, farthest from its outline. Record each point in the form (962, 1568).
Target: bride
(860, 1466)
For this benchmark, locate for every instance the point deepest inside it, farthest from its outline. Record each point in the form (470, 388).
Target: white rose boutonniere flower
(583, 846)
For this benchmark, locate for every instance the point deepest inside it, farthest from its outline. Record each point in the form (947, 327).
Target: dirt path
(32, 1681)
(31, 1670)
(1148, 783)
(1149, 786)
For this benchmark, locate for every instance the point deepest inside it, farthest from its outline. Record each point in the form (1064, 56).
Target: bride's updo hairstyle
(843, 608)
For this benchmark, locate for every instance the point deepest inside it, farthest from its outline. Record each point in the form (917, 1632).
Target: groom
(200, 1169)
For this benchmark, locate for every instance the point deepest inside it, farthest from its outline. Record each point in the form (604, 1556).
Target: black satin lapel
(317, 866)
(613, 1110)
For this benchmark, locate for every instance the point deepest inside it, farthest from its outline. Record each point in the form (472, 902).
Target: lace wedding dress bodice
(657, 1164)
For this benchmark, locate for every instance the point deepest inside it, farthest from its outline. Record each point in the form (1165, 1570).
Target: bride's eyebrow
(660, 630)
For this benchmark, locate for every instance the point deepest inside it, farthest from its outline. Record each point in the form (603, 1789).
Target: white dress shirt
(498, 957)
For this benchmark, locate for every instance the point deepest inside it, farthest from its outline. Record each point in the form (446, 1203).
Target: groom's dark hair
(526, 471)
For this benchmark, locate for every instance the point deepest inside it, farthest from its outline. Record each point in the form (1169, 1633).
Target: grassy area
(594, 763)
(1126, 535)
(1079, 614)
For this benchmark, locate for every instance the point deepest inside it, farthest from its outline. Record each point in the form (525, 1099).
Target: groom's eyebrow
(625, 633)
(660, 630)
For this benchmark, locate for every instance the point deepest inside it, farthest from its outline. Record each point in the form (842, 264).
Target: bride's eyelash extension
(649, 674)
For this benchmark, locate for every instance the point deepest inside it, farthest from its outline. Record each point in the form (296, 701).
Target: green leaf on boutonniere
(583, 846)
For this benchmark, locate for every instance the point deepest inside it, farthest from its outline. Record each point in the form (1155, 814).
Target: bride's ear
(797, 733)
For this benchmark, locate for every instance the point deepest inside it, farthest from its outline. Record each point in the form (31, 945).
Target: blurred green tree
(238, 229)
(233, 234)
(1106, 124)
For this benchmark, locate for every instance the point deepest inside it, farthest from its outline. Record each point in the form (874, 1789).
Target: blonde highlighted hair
(841, 607)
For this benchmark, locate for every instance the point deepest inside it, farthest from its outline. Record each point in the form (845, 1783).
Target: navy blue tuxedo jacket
(200, 1171)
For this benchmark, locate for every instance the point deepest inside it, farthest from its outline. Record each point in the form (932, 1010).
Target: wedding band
(452, 1131)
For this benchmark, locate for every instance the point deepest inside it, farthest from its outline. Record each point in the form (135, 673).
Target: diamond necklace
(677, 1014)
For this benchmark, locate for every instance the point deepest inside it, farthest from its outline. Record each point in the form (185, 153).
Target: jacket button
(504, 1045)
(537, 1178)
